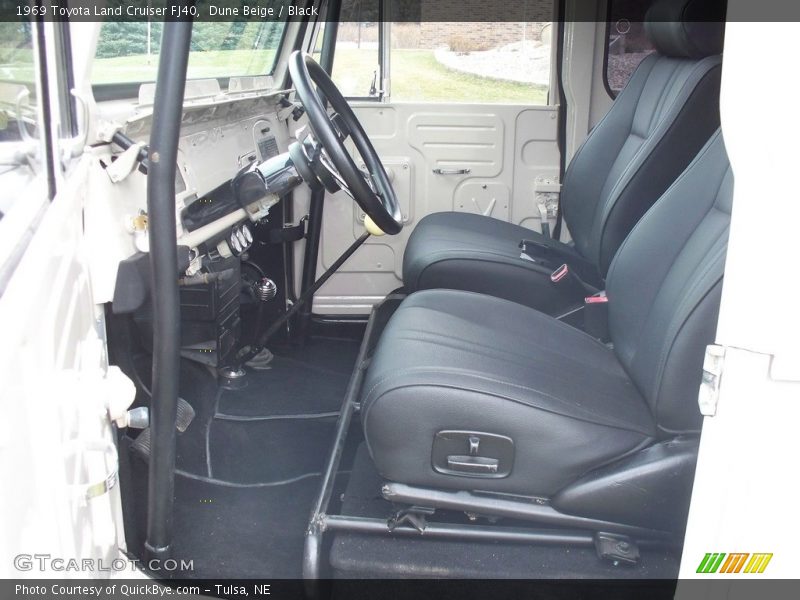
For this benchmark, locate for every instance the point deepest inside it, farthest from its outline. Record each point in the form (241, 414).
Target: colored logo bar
(735, 562)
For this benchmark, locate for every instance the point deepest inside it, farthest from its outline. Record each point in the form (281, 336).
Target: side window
(356, 62)
(18, 97)
(21, 140)
(434, 61)
(480, 62)
(626, 43)
(27, 175)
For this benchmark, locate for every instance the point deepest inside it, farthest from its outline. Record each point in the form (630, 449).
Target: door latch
(713, 364)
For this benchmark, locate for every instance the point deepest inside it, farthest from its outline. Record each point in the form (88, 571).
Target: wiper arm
(373, 90)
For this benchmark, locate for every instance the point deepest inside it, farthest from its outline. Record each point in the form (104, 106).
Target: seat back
(664, 288)
(655, 127)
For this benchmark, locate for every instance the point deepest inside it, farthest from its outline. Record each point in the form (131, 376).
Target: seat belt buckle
(598, 298)
(595, 316)
(560, 273)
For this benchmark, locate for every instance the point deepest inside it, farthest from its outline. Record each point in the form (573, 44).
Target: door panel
(57, 392)
(459, 140)
(513, 160)
(58, 458)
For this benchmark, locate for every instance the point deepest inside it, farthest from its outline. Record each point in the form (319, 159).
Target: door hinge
(713, 365)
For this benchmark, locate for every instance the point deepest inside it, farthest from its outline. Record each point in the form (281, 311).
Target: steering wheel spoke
(370, 181)
(340, 126)
(326, 162)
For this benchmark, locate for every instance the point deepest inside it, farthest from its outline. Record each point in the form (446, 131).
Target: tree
(126, 39)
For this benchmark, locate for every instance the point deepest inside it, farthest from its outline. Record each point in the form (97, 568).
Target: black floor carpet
(308, 380)
(248, 467)
(275, 450)
(242, 532)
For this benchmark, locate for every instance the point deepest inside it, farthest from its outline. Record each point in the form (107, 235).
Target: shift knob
(265, 289)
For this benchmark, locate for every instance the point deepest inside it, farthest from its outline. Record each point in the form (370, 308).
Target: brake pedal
(185, 415)
(141, 445)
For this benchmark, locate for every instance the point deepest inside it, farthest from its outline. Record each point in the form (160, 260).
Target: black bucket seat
(472, 392)
(657, 124)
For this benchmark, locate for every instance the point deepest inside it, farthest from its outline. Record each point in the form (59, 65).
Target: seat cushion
(463, 251)
(455, 360)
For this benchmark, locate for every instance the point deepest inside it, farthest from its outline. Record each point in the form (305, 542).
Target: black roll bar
(317, 203)
(165, 130)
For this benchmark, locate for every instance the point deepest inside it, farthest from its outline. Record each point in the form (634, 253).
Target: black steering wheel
(372, 190)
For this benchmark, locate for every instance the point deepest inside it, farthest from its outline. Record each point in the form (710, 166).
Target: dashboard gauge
(240, 239)
(236, 245)
(248, 235)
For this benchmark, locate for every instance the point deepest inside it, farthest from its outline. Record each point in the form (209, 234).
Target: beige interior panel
(512, 156)
(459, 140)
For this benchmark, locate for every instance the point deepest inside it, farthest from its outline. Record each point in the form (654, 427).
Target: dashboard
(221, 136)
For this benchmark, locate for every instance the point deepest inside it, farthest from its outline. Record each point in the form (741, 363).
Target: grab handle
(464, 171)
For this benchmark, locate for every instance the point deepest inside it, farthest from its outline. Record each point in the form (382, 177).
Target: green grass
(416, 74)
(418, 77)
(16, 64)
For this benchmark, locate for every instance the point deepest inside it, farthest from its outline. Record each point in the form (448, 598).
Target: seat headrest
(687, 28)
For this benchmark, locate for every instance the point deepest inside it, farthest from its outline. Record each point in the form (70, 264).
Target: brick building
(438, 29)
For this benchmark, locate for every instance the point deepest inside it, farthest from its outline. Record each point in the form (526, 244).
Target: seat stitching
(677, 324)
(703, 152)
(606, 207)
(609, 114)
(660, 380)
(602, 418)
(469, 343)
(556, 324)
(689, 235)
(518, 359)
(632, 167)
(625, 181)
(662, 100)
(487, 257)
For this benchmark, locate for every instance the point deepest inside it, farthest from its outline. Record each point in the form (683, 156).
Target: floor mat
(272, 450)
(308, 380)
(247, 468)
(242, 532)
